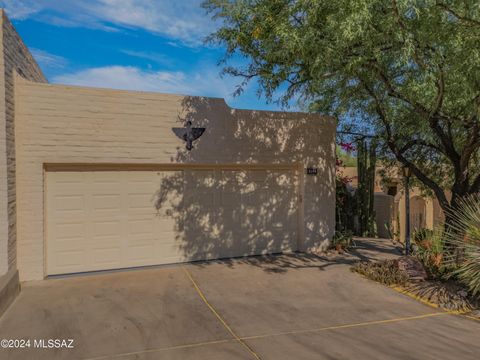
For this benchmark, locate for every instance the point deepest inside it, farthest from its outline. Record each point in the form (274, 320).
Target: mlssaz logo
(189, 134)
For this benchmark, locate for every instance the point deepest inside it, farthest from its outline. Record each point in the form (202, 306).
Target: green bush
(422, 234)
(430, 249)
(343, 239)
(464, 238)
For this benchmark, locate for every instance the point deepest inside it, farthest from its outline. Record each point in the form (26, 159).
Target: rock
(412, 267)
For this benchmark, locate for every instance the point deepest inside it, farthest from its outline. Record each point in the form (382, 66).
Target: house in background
(389, 204)
(95, 179)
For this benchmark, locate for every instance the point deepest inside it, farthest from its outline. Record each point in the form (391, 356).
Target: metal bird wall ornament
(189, 134)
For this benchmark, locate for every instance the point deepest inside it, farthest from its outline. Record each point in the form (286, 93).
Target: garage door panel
(110, 256)
(141, 253)
(65, 203)
(139, 227)
(106, 202)
(140, 201)
(70, 261)
(108, 227)
(69, 229)
(98, 220)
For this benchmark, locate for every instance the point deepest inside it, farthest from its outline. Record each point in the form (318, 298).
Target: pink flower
(348, 147)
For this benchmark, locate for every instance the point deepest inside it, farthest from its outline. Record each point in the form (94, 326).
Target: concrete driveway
(277, 307)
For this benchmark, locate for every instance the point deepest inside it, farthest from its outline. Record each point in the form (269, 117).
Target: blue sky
(150, 45)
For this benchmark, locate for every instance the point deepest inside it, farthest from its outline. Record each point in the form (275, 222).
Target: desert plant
(366, 162)
(422, 234)
(430, 249)
(385, 272)
(392, 234)
(345, 205)
(464, 238)
(342, 240)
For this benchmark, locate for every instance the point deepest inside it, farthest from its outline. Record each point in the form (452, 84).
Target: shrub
(385, 272)
(465, 239)
(342, 239)
(422, 234)
(394, 235)
(429, 250)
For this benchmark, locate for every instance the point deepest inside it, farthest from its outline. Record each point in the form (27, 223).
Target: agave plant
(430, 249)
(464, 237)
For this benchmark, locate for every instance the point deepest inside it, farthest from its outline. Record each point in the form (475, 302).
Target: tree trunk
(450, 225)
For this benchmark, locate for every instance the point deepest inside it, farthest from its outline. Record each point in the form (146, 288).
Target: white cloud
(47, 60)
(206, 82)
(158, 58)
(18, 9)
(182, 20)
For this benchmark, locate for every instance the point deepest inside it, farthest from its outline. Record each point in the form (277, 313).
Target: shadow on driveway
(284, 307)
(365, 249)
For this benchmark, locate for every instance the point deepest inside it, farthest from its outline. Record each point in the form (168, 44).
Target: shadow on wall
(418, 210)
(244, 210)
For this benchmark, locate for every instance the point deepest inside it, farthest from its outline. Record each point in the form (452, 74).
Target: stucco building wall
(14, 56)
(57, 124)
(421, 206)
(425, 211)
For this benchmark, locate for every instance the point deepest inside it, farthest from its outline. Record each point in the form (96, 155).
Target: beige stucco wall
(383, 206)
(389, 209)
(351, 172)
(14, 56)
(433, 213)
(58, 124)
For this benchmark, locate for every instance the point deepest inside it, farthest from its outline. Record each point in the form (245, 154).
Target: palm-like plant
(464, 237)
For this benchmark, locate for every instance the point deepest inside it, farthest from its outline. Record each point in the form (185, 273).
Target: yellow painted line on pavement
(431, 304)
(177, 347)
(346, 326)
(418, 298)
(424, 301)
(242, 339)
(215, 312)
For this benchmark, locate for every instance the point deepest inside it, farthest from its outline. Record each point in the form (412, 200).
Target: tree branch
(433, 120)
(473, 142)
(475, 188)
(418, 142)
(393, 92)
(458, 16)
(440, 92)
(439, 193)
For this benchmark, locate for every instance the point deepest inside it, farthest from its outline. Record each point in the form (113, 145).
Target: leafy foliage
(405, 70)
(464, 236)
(345, 201)
(346, 158)
(345, 206)
(343, 239)
(430, 250)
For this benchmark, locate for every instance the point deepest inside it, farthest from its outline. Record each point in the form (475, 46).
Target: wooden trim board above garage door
(163, 167)
(99, 217)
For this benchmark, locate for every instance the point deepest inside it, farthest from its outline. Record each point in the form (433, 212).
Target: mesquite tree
(406, 70)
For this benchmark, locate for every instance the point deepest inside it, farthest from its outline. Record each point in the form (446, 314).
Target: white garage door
(97, 220)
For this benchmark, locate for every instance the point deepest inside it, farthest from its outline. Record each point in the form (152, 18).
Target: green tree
(405, 70)
(348, 160)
